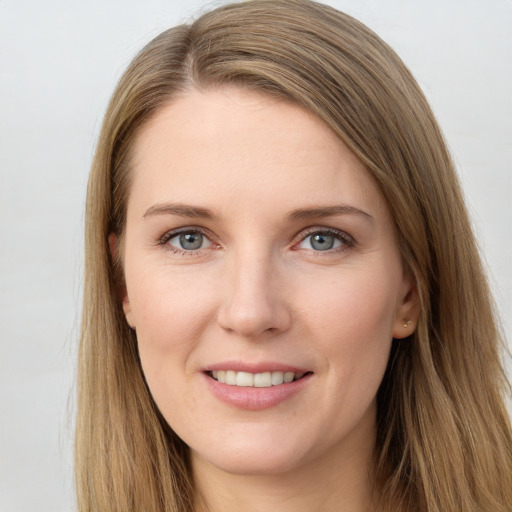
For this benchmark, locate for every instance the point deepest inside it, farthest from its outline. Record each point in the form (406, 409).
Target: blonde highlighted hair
(444, 440)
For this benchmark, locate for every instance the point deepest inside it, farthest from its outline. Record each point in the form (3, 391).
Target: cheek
(357, 305)
(171, 312)
(351, 322)
(170, 326)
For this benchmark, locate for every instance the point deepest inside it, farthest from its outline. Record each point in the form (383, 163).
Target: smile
(256, 380)
(265, 387)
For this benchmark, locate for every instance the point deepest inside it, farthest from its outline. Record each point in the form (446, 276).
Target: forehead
(232, 146)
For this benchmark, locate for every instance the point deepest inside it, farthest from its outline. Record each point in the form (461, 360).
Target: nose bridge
(253, 302)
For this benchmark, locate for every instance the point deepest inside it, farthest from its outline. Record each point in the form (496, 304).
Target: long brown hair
(444, 440)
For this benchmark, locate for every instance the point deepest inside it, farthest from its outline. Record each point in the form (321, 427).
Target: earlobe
(128, 312)
(407, 313)
(113, 243)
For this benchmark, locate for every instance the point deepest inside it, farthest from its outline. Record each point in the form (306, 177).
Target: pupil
(322, 242)
(191, 241)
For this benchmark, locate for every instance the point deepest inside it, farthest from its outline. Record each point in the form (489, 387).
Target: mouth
(255, 380)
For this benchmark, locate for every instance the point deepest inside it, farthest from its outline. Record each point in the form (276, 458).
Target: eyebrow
(327, 211)
(198, 212)
(183, 210)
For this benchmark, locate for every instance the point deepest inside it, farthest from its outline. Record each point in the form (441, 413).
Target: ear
(113, 242)
(407, 310)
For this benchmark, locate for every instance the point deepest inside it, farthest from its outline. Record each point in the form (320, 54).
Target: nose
(254, 299)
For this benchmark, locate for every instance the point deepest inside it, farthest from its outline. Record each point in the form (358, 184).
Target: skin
(257, 290)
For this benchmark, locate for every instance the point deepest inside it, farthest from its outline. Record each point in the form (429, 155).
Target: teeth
(263, 380)
(256, 380)
(277, 378)
(289, 376)
(245, 379)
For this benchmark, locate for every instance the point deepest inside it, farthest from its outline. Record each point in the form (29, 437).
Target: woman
(284, 306)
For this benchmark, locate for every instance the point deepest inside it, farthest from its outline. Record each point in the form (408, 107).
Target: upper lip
(253, 367)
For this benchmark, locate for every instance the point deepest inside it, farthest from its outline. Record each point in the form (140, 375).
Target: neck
(339, 481)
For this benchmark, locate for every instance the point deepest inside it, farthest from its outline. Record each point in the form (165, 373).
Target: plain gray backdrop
(59, 62)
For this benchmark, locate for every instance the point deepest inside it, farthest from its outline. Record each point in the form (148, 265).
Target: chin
(265, 456)
(261, 464)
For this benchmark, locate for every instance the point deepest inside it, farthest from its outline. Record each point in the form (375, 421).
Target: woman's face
(259, 250)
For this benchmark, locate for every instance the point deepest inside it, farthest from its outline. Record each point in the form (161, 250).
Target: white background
(59, 61)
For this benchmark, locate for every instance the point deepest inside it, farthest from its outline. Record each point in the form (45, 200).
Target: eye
(189, 241)
(325, 241)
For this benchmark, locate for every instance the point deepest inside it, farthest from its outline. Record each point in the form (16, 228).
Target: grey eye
(320, 242)
(190, 241)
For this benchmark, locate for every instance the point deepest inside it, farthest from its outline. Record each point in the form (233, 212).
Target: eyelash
(346, 240)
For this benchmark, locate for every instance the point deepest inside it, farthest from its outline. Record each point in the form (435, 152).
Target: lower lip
(255, 399)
